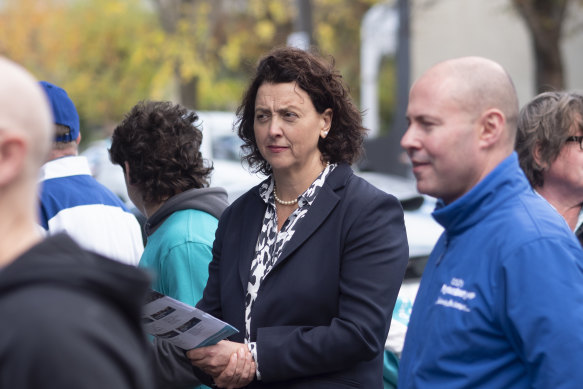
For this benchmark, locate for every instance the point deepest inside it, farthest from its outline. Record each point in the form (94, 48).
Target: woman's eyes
(260, 117)
(288, 115)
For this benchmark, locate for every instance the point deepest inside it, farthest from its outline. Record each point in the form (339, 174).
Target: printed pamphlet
(181, 324)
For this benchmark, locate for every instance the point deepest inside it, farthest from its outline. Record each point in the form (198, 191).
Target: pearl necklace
(289, 202)
(283, 202)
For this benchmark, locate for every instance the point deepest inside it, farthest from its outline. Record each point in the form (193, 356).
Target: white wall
(442, 29)
(572, 48)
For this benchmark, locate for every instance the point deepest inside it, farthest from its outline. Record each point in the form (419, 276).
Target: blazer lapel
(325, 202)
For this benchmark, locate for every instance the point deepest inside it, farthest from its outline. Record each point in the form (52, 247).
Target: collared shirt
(72, 201)
(270, 243)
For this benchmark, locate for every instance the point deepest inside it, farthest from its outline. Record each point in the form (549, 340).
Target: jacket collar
(323, 205)
(210, 200)
(506, 181)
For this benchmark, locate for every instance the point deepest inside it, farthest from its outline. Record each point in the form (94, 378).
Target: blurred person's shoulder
(66, 306)
(57, 275)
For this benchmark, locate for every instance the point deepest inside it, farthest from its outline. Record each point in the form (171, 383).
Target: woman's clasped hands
(229, 363)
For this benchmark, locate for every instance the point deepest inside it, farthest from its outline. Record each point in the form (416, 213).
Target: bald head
(26, 131)
(24, 110)
(478, 84)
(462, 124)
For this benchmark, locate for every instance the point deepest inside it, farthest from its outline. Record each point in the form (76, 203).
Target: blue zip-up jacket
(500, 304)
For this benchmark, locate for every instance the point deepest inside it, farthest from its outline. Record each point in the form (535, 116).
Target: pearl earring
(325, 133)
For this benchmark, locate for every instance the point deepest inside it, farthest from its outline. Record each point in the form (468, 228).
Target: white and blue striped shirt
(72, 201)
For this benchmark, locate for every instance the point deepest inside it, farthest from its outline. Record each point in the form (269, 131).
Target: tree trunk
(170, 13)
(544, 19)
(548, 68)
(188, 93)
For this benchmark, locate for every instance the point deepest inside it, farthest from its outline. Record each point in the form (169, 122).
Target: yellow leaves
(265, 30)
(191, 67)
(220, 93)
(257, 8)
(103, 52)
(160, 86)
(231, 52)
(16, 39)
(280, 10)
(115, 8)
(111, 53)
(326, 36)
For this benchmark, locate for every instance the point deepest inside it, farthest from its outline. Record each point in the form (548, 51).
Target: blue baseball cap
(64, 111)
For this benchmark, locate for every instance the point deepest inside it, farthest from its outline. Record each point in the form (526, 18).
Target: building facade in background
(442, 29)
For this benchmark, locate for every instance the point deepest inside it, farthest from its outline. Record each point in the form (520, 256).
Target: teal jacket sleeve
(184, 271)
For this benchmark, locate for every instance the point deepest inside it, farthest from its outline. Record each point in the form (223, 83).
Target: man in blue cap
(72, 201)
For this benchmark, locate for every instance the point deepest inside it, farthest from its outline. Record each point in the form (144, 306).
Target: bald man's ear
(492, 127)
(12, 157)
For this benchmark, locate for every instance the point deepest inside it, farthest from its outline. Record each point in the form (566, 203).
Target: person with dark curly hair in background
(306, 265)
(157, 146)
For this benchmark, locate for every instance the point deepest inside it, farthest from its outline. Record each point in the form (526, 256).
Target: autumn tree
(104, 53)
(109, 54)
(545, 20)
(190, 26)
(227, 37)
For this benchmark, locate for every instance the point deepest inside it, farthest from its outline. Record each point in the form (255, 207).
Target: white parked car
(422, 230)
(222, 146)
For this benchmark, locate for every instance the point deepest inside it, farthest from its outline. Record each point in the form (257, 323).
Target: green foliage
(99, 51)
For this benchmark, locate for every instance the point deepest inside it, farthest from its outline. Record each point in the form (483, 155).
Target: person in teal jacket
(157, 145)
(180, 238)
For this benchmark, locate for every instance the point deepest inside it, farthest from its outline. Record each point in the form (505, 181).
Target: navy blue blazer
(323, 312)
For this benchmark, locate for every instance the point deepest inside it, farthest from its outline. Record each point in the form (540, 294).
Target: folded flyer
(181, 324)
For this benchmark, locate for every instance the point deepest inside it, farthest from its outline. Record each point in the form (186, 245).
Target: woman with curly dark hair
(157, 146)
(307, 265)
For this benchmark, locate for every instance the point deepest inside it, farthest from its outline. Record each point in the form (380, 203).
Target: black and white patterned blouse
(270, 244)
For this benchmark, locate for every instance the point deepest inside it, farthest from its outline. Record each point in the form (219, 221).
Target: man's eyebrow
(421, 117)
